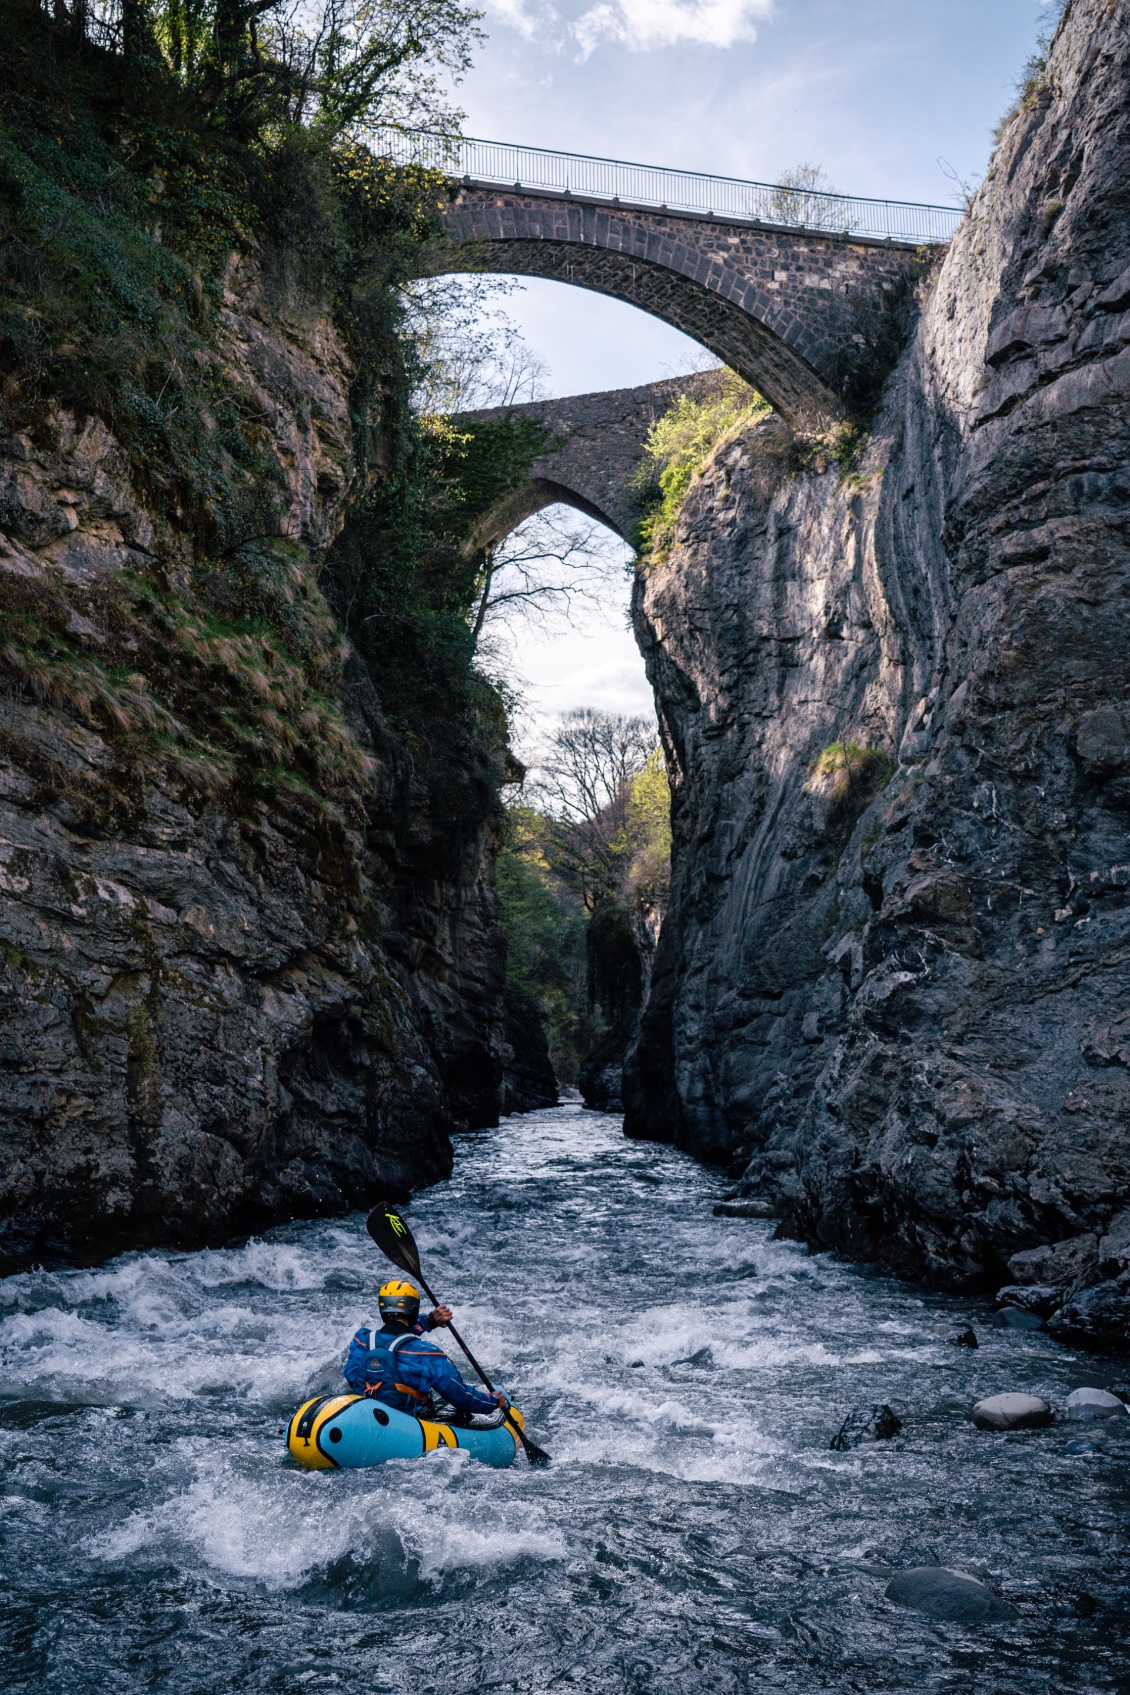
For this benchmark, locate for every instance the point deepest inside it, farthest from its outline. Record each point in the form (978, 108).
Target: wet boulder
(1012, 1412)
(1080, 1446)
(1056, 1263)
(1040, 1298)
(864, 1425)
(745, 1209)
(1098, 1317)
(1083, 1405)
(958, 1335)
(944, 1593)
(1015, 1318)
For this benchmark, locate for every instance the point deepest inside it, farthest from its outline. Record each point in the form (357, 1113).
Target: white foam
(280, 1527)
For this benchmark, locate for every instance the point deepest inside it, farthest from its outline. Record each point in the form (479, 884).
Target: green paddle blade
(394, 1238)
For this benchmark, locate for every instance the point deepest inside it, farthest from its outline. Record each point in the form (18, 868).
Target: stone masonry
(771, 303)
(595, 445)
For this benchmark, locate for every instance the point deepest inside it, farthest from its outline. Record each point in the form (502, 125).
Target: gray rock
(1122, 1390)
(745, 1209)
(1041, 1298)
(1080, 1445)
(864, 1425)
(1084, 1405)
(1012, 1412)
(817, 892)
(1056, 1263)
(1015, 1318)
(1098, 1317)
(944, 1593)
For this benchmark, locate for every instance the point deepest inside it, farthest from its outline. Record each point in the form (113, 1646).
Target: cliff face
(230, 992)
(894, 985)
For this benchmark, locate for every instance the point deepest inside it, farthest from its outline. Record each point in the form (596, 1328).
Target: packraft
(353, 1431)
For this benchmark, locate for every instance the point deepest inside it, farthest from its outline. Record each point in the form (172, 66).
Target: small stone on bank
(1015, 1318)
(1085, 1404)
(863, 1425)
(1012, 1412)
(947, 1594)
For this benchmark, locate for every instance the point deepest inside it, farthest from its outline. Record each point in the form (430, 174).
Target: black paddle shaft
(397, 1243)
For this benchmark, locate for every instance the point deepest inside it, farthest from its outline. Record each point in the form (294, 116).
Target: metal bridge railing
(614, 180)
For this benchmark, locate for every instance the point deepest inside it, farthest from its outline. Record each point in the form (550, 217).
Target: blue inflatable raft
(352, 1431)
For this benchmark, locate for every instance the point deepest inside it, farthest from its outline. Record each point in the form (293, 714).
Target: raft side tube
(351, 1432)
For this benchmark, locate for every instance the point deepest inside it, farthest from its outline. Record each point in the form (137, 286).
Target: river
(694, 1532)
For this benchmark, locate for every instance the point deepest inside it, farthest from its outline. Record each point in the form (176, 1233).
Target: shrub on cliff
(677, 447)
(844, 779)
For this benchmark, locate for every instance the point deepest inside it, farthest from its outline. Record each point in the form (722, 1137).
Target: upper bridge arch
(772, 303)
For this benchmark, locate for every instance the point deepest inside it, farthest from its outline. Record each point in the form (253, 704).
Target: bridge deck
(617, 182)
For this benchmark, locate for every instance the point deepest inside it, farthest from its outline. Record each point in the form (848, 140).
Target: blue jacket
(403, 1376)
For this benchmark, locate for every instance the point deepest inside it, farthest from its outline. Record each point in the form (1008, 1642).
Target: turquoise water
(694, 1533)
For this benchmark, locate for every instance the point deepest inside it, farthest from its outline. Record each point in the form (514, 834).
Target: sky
(892, 98)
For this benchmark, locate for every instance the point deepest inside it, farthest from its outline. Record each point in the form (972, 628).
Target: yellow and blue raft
(351, 1431)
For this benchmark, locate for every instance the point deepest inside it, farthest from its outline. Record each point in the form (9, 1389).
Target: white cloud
(520, 15)
(643, 25)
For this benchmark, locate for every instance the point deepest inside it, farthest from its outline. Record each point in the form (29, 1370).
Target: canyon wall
(893, 990)
(250, 965)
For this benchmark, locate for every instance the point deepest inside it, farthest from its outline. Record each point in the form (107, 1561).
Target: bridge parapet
(491, 164)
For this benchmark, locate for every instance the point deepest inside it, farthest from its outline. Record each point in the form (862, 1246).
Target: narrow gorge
(252, 966)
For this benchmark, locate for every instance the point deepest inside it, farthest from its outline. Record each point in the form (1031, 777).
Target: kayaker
(397, 1366)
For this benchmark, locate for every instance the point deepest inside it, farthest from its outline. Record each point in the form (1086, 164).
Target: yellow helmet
(399, 1300)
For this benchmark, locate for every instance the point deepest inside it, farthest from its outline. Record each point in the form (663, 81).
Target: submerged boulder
(863, 1425)
(945, 1593)
(958, 1335)
(1015, 1318)
(1012, 1412)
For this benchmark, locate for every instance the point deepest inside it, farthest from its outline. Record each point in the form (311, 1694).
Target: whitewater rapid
(694, 1532)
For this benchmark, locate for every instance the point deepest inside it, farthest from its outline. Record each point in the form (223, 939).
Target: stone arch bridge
(771, 304)
(594, 444)
(763, 276)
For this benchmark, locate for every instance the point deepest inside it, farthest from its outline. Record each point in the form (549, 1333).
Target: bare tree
(541, 569)
(585, 782)
(805, 197)
(468, 352)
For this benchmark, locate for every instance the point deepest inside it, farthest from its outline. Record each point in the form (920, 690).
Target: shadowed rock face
(894, 994)
(214, 1012)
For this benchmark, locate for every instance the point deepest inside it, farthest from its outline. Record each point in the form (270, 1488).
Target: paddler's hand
(500, 1398)
(442, 1315)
